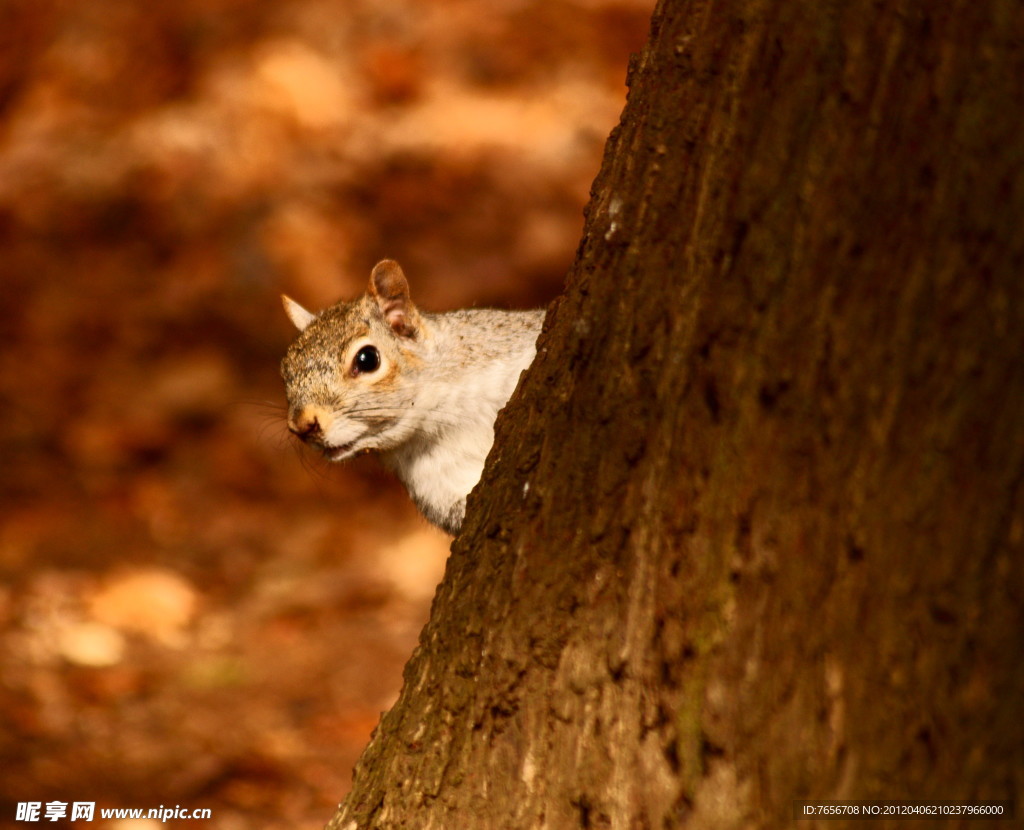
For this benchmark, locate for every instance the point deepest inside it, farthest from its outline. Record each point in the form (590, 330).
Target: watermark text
(54, 811)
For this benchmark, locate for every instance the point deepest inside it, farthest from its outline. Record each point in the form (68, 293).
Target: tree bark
(752, 528)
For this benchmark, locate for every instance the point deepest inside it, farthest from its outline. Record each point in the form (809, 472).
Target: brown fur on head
(389, 290)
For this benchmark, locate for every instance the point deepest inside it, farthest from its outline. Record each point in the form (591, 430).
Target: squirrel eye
(367, 360)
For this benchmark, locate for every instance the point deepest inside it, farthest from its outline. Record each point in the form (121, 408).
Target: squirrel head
(389, 293)
(350, 374)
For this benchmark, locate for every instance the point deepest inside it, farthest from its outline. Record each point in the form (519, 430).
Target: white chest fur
(444, 460)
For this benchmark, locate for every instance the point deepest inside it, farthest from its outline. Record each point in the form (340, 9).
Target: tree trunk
(752, 528)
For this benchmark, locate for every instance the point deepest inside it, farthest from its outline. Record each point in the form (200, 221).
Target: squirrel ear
(296, 313)
(389, 287)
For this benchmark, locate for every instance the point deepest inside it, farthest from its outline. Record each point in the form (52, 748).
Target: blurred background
(195, 611)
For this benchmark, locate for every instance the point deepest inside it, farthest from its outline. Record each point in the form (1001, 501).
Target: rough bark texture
(753, 527)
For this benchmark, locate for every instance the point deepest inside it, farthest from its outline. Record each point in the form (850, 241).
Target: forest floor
(194, 611)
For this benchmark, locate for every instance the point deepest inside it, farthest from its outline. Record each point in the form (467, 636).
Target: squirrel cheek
(385, 378)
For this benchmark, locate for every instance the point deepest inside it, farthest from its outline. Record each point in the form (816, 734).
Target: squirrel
(422, 390)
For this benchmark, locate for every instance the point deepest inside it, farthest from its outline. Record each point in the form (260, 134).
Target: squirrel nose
(305, 423)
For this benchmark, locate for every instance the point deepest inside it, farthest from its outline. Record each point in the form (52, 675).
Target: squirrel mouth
(340, 452)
